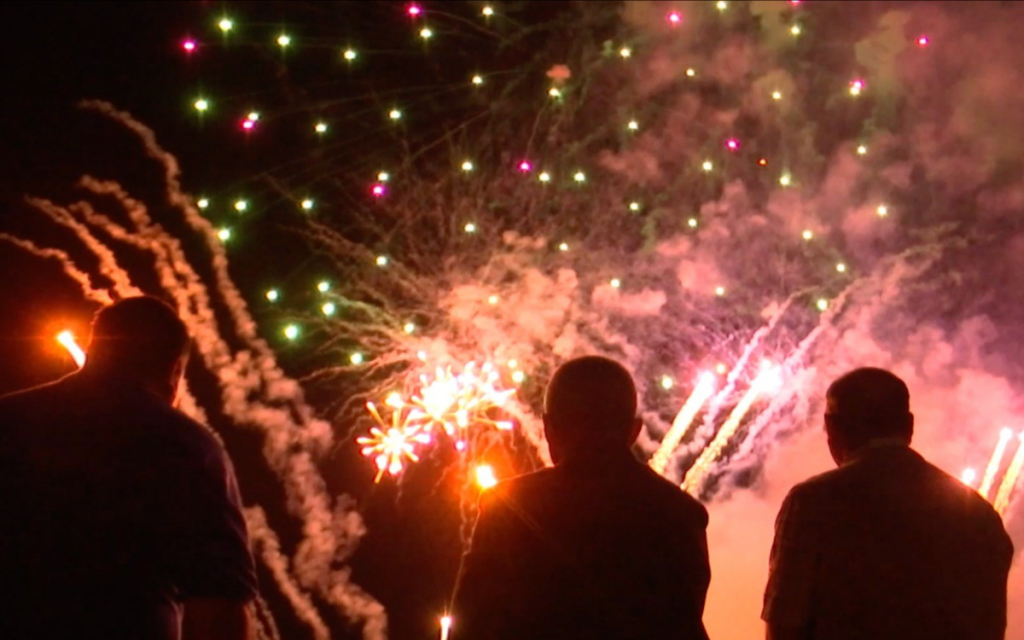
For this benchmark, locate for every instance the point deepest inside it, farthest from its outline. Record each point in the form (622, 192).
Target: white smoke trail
(255, 391)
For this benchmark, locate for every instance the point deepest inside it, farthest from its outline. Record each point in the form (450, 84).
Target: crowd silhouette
(120, 517)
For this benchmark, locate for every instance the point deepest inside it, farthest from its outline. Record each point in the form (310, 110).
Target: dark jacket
(600, 547)
(114, 509)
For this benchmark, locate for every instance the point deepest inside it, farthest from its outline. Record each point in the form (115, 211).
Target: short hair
(141, 336)
(870, 403)
(591, 395)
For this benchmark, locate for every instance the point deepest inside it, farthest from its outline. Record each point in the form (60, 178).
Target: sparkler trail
(1009, 483)
(708, 426)
(705, 387)
(767, 380)
(995, 462)
(67, 340)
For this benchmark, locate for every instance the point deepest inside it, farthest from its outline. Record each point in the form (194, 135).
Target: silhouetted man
(598, 546)
(887, 546)
(117, 510)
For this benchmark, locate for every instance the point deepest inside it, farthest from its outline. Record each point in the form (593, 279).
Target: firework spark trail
(707, 428)
(266, 542)
(1009, 483)
(995, 462)
(705, 387)
(329, 534)
(89, 291)
(698, 472)
(67, 340)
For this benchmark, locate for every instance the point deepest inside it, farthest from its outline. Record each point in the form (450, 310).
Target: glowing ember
(67, 340)
(485, 477)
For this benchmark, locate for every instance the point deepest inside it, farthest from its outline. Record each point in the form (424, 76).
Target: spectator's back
(905, 551)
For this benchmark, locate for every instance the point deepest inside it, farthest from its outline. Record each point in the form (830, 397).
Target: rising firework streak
(1009, 483)
(995, 462)
(67, 340)
(704, 389)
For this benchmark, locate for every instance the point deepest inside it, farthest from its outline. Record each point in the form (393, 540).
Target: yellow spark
(518, 377)
(224, 234)
(633, 125)
(667, 382)
(795, 29)
(554, 92)
(241, 205)
(383, 176)
(768, 380)
(469, 228)
(67, 340)
(841, 267)
(478, 80)
(785, 179)
(357, 358)
(721, 5)
(455, 401)
(776, 95)
(291, 332)
(579, 176)
(203, 203)
(382, 261)
(968, 476)
(634, 206)
(328, 308)
(467, 166)
(202, 104)
(625, 52)
(615, 283)
(995, 462)
(321, 127)
(691, 72)
(544, 177)
(492, 300)
(488, 11)
(681, 424)
(350, 55)
(564, 246)
(882, 210)
(707, 166)
(822, 304)
(426, 33)
(485, 477)
(1009, 484)
(409, 327)
(323, 286)
(692, 223)
(862, 150)
(284, 40)
(308, 204)
(719, 291)
(226, 24)
(272, 295)
(807, 234)
(395, 114)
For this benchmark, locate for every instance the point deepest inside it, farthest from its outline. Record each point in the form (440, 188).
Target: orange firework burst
(456, 401)
(392, 444)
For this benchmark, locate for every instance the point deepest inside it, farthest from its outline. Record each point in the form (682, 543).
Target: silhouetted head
(143, 339)
(590, 405)
(866, 405)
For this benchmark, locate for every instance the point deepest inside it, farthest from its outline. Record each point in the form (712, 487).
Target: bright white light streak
(681, 424)
(67, 340)
(995, 462)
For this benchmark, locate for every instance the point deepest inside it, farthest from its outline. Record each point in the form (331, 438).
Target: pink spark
(794, 2)
(857, 86)
(189, 45)
(414, 10)
(525, 166)
(675, 18)
(923, 41)
(248, 124)
(378, 190)
(732, 144)
(461, 445)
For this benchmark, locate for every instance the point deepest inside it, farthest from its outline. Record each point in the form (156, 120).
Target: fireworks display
(739, 201)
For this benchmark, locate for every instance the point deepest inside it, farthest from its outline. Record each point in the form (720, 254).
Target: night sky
(841, 180)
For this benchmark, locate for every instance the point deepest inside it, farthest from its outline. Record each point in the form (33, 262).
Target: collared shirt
(597, 547)
(888, 547)
(114, 510)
